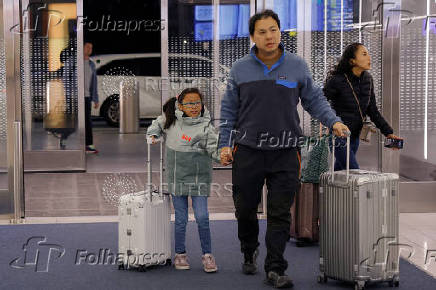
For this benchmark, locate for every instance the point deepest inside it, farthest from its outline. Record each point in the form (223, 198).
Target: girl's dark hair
(344, 65)
(169, 107)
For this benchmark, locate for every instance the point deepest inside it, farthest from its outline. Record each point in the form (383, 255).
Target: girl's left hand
(151, 140)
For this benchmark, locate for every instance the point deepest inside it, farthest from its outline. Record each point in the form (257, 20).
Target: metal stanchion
(129, 107)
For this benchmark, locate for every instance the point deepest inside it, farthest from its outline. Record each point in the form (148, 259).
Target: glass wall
(203, 42)
(49, 76)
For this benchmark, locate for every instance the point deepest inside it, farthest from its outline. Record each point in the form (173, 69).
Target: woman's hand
(392, 136)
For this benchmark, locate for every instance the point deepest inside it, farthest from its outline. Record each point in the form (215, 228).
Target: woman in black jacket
(350, 90)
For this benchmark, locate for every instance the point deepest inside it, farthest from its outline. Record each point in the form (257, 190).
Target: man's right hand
(340, 130)
(226, 156)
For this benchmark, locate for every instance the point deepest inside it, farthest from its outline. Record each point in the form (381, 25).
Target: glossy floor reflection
(419, 231)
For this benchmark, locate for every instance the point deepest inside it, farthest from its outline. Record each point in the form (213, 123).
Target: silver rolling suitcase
(144, 233)
(359, 226)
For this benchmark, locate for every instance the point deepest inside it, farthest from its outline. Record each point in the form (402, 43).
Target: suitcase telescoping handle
(149, 142)
(332, 168)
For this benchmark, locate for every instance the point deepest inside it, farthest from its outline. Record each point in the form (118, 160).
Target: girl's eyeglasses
(191, 105)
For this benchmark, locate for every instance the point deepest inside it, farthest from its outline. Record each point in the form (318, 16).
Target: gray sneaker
(278, 281)
(249, 267)
(181, 262)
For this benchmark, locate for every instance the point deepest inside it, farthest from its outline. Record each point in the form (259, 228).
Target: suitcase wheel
(395, 282)
(121, 267)
(360, 285)
(142, 268)
(168, 262)
(300, 244)
(322, 279)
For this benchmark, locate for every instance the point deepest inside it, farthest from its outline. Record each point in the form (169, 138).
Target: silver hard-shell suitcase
(144, 233)
(359, 226)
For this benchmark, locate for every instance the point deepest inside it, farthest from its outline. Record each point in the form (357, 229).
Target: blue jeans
(199, 204)
(341, 153)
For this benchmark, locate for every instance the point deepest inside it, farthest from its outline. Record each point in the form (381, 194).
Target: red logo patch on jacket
(187, 138)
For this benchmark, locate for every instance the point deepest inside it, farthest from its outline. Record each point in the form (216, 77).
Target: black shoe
(278, 281)
(249, 267)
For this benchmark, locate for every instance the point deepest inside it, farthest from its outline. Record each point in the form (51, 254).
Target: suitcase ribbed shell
(359, 226)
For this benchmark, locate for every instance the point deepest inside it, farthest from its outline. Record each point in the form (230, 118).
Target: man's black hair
(262, 15)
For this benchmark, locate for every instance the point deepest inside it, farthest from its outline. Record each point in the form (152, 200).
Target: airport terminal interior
(53, 189)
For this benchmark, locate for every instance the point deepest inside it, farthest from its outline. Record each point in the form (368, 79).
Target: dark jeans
(88, 122)
(341, 153)
(250, 170)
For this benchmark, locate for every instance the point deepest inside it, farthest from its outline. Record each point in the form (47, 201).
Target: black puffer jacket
(340, 95)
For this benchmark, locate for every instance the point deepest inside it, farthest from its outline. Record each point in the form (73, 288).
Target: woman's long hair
(344, 65)
(169, 107)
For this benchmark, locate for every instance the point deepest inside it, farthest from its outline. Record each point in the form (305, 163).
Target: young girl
(191, 143)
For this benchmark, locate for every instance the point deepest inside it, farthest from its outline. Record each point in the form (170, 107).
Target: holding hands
(226, 156)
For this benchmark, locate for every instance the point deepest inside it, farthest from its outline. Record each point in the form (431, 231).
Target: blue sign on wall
(203, 13)
(333, 15)
(230, 18)
(287, 12)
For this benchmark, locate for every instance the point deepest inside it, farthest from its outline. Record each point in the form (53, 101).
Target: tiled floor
(82, 194)
(418, 230)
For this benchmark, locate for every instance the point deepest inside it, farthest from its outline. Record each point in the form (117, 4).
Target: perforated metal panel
(41, 66)
(432, 83)
(412, 78)
(233, 49)
(3, 108)
(190, 64)
(373, 42)
(317, 58)
(289, 41)
(3, 113)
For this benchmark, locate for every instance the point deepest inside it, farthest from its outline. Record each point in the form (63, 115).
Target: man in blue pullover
(261, 123)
